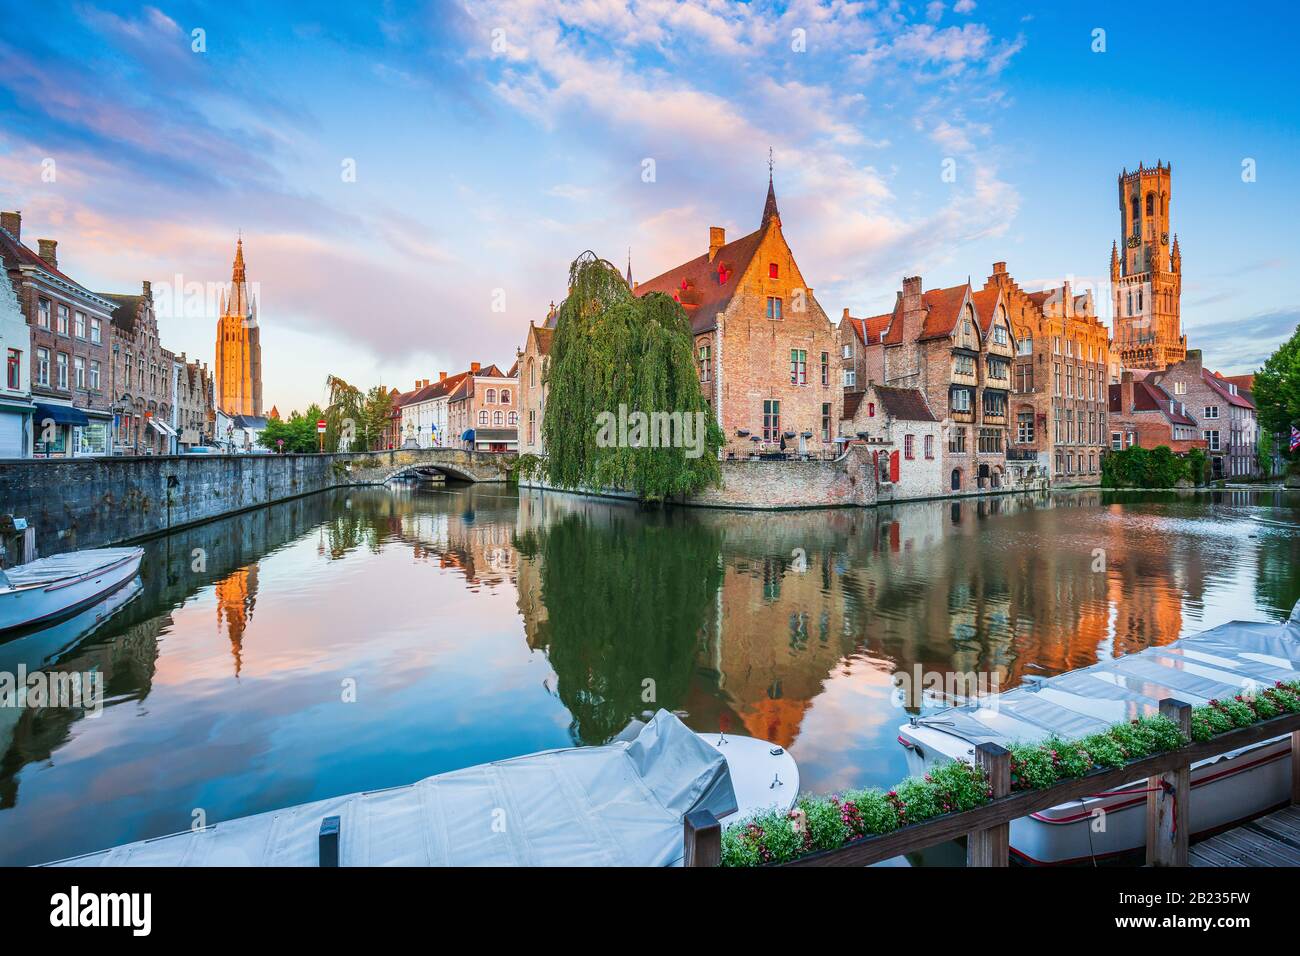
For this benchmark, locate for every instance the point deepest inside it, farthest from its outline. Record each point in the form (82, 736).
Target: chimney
(717, 239)
(846, 314)
(12, 223)
(999, 268)
(49, 252)
(442, 376)
(148, 289)
(1126, 394)
(474, 367)
(913, 308)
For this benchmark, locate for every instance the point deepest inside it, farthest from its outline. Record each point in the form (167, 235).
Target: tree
(1277, 389)
(298, 432)
(1264, 452)
(622, 374)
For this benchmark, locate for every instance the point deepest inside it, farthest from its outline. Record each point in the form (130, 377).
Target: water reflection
(481, 623)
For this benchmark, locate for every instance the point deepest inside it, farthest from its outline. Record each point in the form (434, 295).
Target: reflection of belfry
(239, 348)
(236, 595)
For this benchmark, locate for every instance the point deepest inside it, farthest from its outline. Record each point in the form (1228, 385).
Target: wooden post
(990, 847)
(1295, 768)
(329, 841)
(1168, 799)
(702, 838)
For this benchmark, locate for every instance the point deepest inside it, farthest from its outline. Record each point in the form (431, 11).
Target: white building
(424, 412)
(16, 405)
(901, 432)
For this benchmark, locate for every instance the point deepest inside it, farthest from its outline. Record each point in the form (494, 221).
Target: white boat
(621, 804)
(1219, 663)
(47, 589)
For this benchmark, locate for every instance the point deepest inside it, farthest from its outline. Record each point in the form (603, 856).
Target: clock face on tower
(1164, 238)
(1133, 242)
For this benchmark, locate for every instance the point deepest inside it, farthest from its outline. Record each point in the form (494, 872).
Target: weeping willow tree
(620, 362)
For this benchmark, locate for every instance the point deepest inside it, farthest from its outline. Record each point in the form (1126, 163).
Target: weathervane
(770, 162)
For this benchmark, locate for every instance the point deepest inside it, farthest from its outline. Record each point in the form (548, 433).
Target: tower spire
(238, 275)
(769, 208)
(629, 267)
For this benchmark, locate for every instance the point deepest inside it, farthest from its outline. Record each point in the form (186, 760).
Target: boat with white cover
(47, 589)
(620, 804)
(1220, 663)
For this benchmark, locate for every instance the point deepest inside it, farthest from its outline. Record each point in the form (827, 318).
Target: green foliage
(355, 420)
(1277, 388)
(1138, 467)
(298, 432)
(614, 350)
(1264, 452)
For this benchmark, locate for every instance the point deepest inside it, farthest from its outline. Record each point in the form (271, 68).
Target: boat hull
(24, 608)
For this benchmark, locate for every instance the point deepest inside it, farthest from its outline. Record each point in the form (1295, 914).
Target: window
(491, 397)
(826, 421)
(1056, 345)
(826, 368)
(771, 420)
(79, 371)
(1213, 438)
(1116, 441)
(848, 351)
(13, 369)
(706, 363)
(1025, 428)
(798, 367)
(959, 400)
(1151, 204)
(995, 404)
(42, 366)
(43, 313)
(532, 426)
(61, 364)
(772, 270)
(998, 367)
(1025, 346)
(990, 440)
(1056, 376)
(909, 447)
(871, 409)
(957, 440)
(505, 396)
(483, 417)
(63, 320)
(1211, 411)
(94, 375)
(1024, 377)
(80, 325)
(850, 377)
(929, 446)
(963, 364)
(999, 335)
(773, 307)
(498, 418)
(532, 374)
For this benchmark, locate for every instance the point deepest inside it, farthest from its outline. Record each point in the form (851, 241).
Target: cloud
(1240, 346)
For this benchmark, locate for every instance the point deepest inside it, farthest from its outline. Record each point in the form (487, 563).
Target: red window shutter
(893, 466)
(772, 270)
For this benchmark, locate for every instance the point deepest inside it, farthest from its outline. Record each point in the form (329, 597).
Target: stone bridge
(377, 467)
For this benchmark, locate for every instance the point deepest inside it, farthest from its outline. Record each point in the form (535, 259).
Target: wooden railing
(987, 828)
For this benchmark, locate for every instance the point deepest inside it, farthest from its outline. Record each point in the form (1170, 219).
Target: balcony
(1021, 453)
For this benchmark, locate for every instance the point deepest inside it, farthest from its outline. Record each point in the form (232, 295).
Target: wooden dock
(1271, 840)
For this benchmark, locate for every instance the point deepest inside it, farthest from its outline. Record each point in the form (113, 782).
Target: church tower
(1146, 273)
(239, 350)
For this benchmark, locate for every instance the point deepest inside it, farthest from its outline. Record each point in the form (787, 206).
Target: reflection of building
(236, 595)
(239, 349)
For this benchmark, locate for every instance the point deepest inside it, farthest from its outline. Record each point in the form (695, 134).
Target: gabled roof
(1220, 386)
(543, 336)
(851, 402)
(15, 255)
(942, 310)
(985, 302)
(869, 329)
(1148, 397)
(128, 307)
(700, 287)
(905, 404)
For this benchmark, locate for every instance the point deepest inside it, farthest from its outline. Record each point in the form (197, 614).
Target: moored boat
(1234, 658)
(47, 589)
(620, 804)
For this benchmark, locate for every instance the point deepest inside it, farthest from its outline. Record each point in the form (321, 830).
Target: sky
(412, 180)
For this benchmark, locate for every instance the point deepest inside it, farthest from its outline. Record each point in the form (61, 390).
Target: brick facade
(902, 437)
(141, 377)
(1225, 416)
(1144, 414)
(533, 360)
(1146, 274)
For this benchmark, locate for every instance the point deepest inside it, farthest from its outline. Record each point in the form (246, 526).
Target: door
(11, 435)
(893, 466)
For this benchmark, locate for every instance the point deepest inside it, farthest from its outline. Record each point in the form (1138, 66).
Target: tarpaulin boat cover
(69, 565)
(1219, 663)
(617, 805)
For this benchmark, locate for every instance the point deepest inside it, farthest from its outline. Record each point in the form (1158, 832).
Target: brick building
(904, 437)
(763, 346)
(425, 411)
(483, 410)
(68, 326)
(1146, 276)
(1061, 376)
(533, 359)
(957, 350)
(193, 411)
(239, 346)
(140, 377)
(1144, 414)
(1224, 412)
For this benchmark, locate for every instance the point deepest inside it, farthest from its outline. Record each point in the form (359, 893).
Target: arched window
(1151, 204)
(491, 396)
(496, 418)
(482, 417)
(1133, 217)
(505, 396)
(512, 418)
(532, 374)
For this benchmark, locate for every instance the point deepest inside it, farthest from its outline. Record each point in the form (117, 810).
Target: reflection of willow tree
(1277, 575)
(348, 529)
(625, 604)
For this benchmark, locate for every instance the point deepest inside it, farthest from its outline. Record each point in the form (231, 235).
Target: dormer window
(773, 271)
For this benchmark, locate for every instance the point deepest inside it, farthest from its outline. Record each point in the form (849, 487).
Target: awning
(60, 414)
(162, 427)
(495, 434)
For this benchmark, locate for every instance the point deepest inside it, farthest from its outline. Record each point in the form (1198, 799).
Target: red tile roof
(1149, 398)
(705, 288)
(985, 301)
(851, 402)
(1220, 385)
(905, 404)
(869, 330)
(943, 308)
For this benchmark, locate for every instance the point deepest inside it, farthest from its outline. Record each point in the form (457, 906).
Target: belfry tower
(1146, 273)
(239, 349)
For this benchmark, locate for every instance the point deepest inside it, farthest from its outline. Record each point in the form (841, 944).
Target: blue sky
(495, 141)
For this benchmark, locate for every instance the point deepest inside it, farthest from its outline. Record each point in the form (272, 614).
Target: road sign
(320, 425)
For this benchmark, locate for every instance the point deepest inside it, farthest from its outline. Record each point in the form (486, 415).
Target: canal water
(367, 638)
